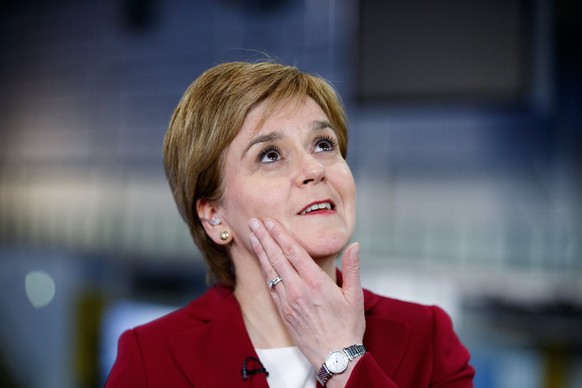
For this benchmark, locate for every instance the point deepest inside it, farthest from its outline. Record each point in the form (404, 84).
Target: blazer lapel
(386, 339)
(213, 351)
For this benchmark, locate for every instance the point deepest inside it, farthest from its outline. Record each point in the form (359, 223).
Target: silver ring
(274, 282)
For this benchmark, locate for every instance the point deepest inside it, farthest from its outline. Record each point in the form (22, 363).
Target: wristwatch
(337, 362)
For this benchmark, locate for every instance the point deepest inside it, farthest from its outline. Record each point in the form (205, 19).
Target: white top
(287, 367)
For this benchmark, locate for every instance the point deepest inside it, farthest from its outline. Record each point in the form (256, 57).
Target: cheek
(348, 192)
(267, 204)
(346, 184)
(252, 199)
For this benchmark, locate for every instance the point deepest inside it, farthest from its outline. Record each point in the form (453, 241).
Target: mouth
(317, 207)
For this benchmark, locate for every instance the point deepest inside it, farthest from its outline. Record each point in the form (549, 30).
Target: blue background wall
(471, 204)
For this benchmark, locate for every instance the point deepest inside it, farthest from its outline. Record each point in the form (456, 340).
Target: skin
(274, 170)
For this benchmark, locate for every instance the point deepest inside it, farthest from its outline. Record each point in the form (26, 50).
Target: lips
(317, 206)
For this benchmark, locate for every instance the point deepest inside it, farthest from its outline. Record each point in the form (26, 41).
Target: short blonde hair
(205, 122)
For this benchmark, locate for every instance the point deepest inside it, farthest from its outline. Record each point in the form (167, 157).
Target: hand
(319, 315)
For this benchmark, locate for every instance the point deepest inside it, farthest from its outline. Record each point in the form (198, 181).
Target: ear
(215, 227)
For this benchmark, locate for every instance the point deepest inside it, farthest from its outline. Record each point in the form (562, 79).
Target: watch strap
(355, 351)
(323, 375)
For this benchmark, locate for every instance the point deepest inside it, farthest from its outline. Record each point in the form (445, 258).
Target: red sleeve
(128, 369)
(451, 366)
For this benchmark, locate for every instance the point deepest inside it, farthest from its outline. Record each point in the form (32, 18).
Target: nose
(310, 171)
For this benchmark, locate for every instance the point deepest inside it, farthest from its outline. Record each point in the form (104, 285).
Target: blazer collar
(385, 338)
(218, 334)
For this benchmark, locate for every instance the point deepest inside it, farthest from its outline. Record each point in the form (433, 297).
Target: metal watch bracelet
(351, 352)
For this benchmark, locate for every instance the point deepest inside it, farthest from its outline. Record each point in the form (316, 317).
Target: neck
(263, 322)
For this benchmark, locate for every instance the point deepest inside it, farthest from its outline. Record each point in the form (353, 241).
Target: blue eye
(269, 155)
(325, 144)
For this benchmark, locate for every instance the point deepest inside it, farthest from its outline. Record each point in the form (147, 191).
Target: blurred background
(466, 146)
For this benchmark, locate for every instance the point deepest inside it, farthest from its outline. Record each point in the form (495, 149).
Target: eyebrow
(317, 125)
(266, 138)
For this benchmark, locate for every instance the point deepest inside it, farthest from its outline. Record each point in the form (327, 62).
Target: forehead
(264, 114)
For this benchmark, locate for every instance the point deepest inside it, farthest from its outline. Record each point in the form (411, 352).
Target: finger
(292, 250)
(352, 286)
(270, 253)
(266, 266)
(269, 271)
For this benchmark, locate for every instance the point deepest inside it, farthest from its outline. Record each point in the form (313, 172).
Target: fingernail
(356, 249)
(254, 224)
(269, 224)
(254, 239)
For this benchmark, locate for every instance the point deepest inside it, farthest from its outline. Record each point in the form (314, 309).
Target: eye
(269, 155)
(325, 144)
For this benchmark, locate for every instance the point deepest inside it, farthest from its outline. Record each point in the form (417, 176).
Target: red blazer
(205, 344)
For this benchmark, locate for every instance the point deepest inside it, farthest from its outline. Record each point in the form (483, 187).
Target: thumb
(351, 287)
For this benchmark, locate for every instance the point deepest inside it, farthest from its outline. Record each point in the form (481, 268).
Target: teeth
(311, 208)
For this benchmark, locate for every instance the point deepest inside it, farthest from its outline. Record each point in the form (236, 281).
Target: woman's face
(290, 169)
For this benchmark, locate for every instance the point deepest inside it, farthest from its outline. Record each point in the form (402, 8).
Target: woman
(255, 157)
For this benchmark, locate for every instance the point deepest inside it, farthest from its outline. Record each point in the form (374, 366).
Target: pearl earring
(224, 235)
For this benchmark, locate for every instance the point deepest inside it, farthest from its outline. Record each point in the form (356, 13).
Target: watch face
(337, 362)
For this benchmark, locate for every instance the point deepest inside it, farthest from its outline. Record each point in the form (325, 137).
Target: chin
(326, 246)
